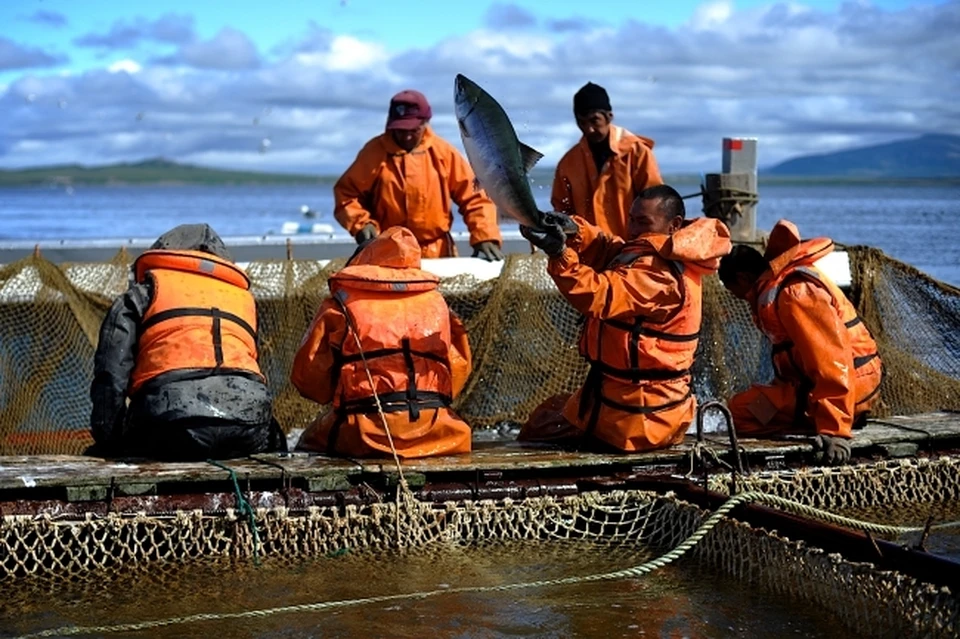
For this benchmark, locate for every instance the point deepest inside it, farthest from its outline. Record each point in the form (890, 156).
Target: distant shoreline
(163, 173)
(329, 181)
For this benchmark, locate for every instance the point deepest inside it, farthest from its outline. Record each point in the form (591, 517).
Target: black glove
(366, 233)
(832, 450)
(488, 251)
(564, 221)
(550, 238)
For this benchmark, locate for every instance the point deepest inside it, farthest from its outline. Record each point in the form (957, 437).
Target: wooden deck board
(22, 472)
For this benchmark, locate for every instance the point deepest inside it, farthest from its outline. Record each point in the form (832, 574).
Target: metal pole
(732, 194)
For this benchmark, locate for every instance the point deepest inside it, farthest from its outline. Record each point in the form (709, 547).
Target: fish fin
(529, 156)
(463, 129)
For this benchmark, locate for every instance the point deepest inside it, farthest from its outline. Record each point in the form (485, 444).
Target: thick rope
(628, 573)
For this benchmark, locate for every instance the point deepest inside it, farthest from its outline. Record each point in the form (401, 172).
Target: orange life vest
(862, 343)
(202, 317)
(643, 350)
(403, 323)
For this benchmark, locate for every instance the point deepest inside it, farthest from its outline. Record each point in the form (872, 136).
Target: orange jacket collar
(199, 262)
(617, 140)
(700, 242)
(393, 149)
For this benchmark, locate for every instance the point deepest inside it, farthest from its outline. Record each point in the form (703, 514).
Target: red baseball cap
(408, 110)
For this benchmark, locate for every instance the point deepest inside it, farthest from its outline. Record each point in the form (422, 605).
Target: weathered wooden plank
(87, 477)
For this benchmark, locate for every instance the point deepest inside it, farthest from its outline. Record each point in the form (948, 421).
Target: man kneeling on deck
(826, 364)
(181, 343)
(385, 340)
(641, 298)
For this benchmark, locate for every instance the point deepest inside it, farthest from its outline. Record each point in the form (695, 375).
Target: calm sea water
(916, 224)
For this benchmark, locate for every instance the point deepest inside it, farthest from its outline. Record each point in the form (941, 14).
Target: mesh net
(522, 332)
(46, 550)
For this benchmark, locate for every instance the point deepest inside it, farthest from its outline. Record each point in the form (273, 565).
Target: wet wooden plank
(43, 471)
(85, 475)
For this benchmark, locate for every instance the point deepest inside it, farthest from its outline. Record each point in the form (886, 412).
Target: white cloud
(346, 53)
(799, 79)
(711, 14)
(127, 65)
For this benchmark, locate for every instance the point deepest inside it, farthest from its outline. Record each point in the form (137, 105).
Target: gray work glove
(368, 232)
(550, 238)
(488, 251)
(832, 450)
(564, 221)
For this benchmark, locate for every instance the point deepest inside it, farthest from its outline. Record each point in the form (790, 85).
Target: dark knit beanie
(591, 97)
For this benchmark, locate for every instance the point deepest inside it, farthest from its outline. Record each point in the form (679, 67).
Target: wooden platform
(64, 485)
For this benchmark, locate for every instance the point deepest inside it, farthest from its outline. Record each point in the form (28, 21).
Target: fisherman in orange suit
(181, 345)
(384, 328)
(642, 302)
(827, 368)
(407, 176)
(599, 178)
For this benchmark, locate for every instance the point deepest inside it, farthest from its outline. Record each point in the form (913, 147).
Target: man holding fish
(640, 293)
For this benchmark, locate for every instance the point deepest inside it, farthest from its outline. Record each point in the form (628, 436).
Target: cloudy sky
(280, 85)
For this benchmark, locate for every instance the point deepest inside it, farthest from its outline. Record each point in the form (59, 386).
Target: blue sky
(300, 86)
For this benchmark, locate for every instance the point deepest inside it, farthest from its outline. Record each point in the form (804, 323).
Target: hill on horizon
(150, 171)
(934, 155)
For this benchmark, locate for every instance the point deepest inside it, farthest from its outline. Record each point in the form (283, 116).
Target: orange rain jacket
(826, 363)
(202, 317)
(387, 186)
(416, 351)
(642, 305)
(604, 198)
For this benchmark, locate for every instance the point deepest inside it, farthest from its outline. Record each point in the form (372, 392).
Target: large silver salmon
(499, 160)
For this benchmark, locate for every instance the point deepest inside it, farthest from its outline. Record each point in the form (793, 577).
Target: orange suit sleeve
(594, 248)
(561, 194)
(353, 193)
(461, 359)
(822, 352)
(647, 172)
(647, 287)
(315, 371)
(478, 211)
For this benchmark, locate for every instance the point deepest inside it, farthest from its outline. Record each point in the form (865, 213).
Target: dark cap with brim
(408, 110)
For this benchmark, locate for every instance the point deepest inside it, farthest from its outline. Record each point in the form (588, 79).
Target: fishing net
(52, 550)
(522, 333)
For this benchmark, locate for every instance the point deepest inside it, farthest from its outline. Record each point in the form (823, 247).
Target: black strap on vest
(395, 402)
(591, 395)
(217, 338)
(214, 313)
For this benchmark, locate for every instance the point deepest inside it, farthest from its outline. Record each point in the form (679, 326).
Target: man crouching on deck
(641, 298)
(181, 343)
(385, 340)
(827, 369)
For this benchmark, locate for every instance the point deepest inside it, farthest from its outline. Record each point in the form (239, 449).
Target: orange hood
(785, 249)
(700, 243)
(390, 262)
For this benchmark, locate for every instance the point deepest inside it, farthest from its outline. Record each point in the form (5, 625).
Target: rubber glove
(488, 251)
(833, 450)
(550, 239)
(368, 232)
(564, 221)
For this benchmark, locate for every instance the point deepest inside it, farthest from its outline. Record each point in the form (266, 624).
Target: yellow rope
(626, 573)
